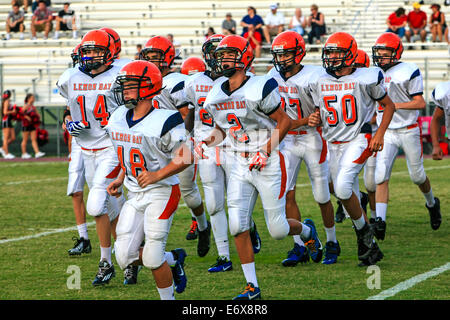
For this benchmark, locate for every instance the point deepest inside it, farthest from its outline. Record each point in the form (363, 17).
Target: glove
(74, 127)
(199, 151)
(259, 160)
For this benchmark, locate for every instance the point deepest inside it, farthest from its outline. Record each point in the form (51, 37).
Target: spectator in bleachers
(138, 51)
(274, 23)
(14, 22)
(298, 22)
(417, 21)
(42, 20)
(30, 122)
(396, 22)
(317, 23)
(20, 3)
(66, 21)
(252, 21)
(176, 44)
(9, 113)
(35, 4)
(437, 23)
(255, 40)
(209, 32)
(228, 25)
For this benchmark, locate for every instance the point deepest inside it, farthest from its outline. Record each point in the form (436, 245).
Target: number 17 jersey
(91, 101)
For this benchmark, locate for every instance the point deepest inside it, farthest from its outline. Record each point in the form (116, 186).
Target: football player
(150, 145)
(192, 65)
(89, 94)
(76, 181)
(405, 85)
(441, 97)
(161, 52)
(118, 61)
(346, 98)
(302, 143)
(247, 111)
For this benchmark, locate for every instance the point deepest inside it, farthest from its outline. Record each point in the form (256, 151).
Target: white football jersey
(348, 102)
(244, 113)
(441, 97)
(65, 77)
(172, 94)
(91, 101)
(295, 92)
(146, 144)
(121, 62)
(403, 81)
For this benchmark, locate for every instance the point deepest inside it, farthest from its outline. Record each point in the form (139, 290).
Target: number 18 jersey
(91, 101)
(347, 102)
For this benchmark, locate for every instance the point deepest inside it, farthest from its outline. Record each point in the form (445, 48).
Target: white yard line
(11, 183)
(405, 285)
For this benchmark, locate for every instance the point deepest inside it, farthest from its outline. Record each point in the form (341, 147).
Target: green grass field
(33, 200)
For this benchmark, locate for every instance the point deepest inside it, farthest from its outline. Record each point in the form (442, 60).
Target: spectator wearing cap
(14, 22)
(396, 22)
(41, 21)
(66, 21)
(252, 22)
(417, 21)
(274, 23)
(228, 25)
(317, 23)
(298, 22)
(437, 22)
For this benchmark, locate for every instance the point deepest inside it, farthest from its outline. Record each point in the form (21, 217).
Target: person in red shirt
(396, 22)
(417, 21)
(255, 40)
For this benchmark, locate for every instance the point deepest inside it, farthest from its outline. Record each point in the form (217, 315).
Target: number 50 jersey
(348, 102)
(91, 101)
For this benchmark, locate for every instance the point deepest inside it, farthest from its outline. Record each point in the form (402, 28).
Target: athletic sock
(170, 258)
(202, 223)
(166, 293)
(359, 223)
(82, 231)
(429, 197)
(298, 240)
(250, 273)
(381, 209)
(331, 234)
(105, 254)
(306, 232)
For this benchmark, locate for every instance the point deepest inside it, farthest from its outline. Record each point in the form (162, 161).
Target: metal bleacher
(35, 65)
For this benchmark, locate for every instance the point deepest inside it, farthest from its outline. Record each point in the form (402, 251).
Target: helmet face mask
(383, 57)
(208, 48)
(136, 82)
(288, 50)
(164, 48)
(334, 58)
(287, 64)
(96, 50)
(155, 56)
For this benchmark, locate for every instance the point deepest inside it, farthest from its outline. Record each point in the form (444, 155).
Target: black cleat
(340, 214)
(105, 273)
(130, 274)
(365, 241)
(379, 227)
(255, 238)
(375, 256)
(435, 214)
(81, 246)
(193, 230)
(204, 239)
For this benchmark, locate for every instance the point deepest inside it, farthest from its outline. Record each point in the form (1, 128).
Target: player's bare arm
(114, 188)
(377, 142)
(280, 131)
(183, 159)
(417, 103)
(438, 114)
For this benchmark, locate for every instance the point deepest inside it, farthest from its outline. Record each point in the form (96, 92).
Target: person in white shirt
(298, 22)
(274, 23)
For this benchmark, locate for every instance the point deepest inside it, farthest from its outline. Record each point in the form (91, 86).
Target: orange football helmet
(117, 41)
(161, 45)
(339, 51)
(192, 65)
(98, 41)
(387, 41)
(74, 55)
(141, 75)
(208, 48)
(287, 41)
(362, 60)
(243, 55)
